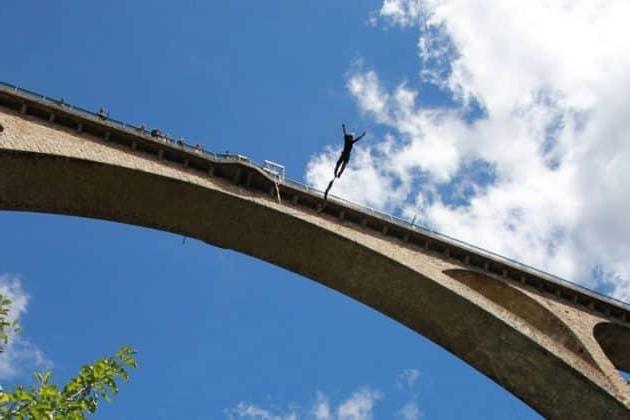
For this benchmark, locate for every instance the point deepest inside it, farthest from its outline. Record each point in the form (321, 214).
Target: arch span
(45, 169)
(519, 304)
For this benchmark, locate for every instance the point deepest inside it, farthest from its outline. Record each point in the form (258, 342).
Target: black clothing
(348, 142)
(330, 184)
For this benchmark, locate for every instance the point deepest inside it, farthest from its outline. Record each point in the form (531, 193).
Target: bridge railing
(464, 245)
(230, 157)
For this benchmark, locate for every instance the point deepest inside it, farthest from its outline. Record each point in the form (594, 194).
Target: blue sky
(219, 333)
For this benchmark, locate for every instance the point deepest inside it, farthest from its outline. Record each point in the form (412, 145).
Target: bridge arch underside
(359, 264)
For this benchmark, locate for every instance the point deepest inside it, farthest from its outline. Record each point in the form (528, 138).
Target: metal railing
(230, 157)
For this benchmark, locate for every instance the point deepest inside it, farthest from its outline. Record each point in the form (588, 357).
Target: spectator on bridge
(102, 113)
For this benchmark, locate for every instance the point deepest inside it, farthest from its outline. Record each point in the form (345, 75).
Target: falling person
(348, 142)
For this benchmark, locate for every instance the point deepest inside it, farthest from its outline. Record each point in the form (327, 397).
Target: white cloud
(539, 173)
(410, 411)
(20, 355)
(403, 12)
(407, 382)
(321, 409)
(407, 379)
(245, 410)
(358, 406)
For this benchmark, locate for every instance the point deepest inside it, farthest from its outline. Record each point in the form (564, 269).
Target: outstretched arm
(343, 127)
(359, 138)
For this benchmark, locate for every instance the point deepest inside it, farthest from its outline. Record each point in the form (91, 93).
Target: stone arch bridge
(554, 345)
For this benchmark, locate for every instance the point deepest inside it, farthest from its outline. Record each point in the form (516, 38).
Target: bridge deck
(248, 174)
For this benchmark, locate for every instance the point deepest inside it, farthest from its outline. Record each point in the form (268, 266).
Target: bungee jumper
(348, 141)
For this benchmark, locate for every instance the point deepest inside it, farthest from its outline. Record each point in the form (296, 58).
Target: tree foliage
(6, 326)
(79, 397)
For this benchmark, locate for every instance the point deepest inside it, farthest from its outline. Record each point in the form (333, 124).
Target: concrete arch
(519, 304)
(46, 169)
